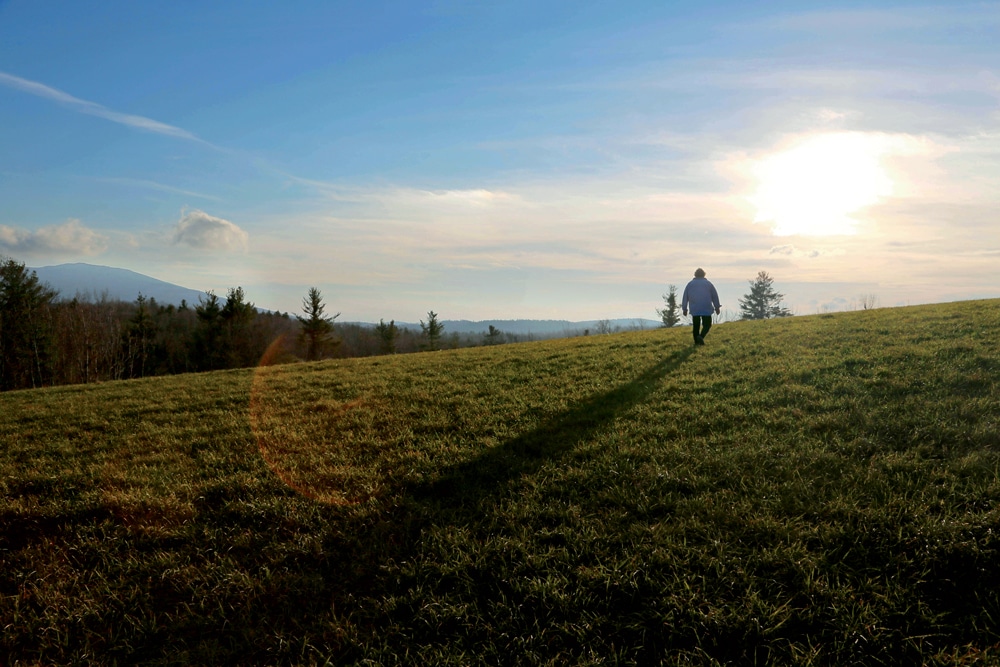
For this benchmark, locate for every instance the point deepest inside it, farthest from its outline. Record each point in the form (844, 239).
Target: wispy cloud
(611, 228)
(153, 185)
(70, 237)
(94, 109)
(975, 15)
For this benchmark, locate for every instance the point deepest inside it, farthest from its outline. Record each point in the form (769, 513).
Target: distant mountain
(541, 328)
(117, 284)
(123, 285)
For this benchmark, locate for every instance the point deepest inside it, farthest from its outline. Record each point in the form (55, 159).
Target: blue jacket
(701, 296)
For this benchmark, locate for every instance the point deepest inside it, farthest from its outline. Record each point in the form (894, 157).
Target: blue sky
(562, 160)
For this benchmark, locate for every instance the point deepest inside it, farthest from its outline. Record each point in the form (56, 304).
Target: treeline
(47, 339)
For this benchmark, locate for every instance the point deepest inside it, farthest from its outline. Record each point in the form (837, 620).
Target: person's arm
(715, 301)
(684, 300)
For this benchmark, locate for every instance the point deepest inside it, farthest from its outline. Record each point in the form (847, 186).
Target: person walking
(701, 296)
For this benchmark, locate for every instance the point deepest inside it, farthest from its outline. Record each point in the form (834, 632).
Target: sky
(505, 160)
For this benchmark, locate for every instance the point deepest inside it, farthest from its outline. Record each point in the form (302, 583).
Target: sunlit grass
(814, 490)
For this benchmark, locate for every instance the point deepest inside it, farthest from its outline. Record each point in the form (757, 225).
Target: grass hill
(812, 490)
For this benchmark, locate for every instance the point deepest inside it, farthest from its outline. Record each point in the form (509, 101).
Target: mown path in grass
(814, 490)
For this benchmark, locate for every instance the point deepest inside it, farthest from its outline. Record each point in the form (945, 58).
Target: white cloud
(783, 250)
(475, 197)
(198, 229)
(69, 237)
(790, 250)
(618, 229)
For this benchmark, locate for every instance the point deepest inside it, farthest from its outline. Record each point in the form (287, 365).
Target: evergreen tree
(209, 353)
(669, 313)
(26, 336)
(762, 302)
(432, 330)
(315, 330)
(177, 335)
(237, 317)
(493, 337)
(387, 336)
(140, 333)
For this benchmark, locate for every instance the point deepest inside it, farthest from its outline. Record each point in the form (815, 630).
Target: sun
(815, 187)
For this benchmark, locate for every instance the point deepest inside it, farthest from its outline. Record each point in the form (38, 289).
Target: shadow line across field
(490, 471)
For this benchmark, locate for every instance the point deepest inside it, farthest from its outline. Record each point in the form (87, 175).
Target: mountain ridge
(540, 327)
(95, 281)
(91, 280)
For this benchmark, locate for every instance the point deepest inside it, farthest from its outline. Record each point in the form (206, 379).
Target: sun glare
(815, 187)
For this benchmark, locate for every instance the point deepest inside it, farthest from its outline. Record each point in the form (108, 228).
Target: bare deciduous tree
(868, 301)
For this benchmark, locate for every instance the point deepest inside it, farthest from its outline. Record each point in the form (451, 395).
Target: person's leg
(706, 324)
(699, 329)
(694, 327)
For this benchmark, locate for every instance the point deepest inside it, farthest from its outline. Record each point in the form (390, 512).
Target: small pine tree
(208, 350)
(432, 330)
(237, 318)
(493, 337)
(762, 302)
(387, 336)
(141, 330)
(316, 331)
(669, 313)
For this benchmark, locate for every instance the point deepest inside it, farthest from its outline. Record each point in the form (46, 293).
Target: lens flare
(297, 429)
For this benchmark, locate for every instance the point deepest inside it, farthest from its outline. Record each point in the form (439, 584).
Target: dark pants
(703, 321)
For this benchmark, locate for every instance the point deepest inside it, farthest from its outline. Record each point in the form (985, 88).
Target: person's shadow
(488, 473)
(378, 553)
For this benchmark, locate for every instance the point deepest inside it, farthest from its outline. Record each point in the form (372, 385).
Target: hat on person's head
(699, 273)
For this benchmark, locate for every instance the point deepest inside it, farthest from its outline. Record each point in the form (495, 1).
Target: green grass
(814, 490)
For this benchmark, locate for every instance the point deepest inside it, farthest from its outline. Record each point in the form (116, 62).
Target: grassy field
(815, 490)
